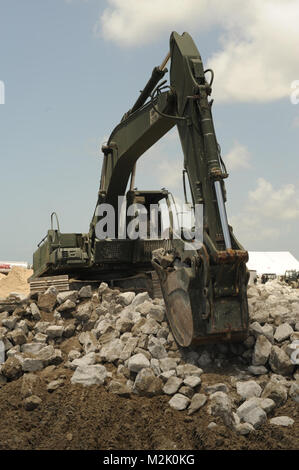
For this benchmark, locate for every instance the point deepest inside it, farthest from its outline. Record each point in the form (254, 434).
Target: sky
(70, 69)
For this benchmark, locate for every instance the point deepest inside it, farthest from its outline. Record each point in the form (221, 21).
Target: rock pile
(125, 345)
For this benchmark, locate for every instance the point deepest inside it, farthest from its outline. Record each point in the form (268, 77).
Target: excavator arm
(204, 287)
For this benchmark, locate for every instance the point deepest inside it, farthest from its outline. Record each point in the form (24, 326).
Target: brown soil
(77, 417)
(15, 281)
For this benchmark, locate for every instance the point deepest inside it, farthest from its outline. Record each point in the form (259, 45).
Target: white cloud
(237, 158)
(281, 204)
(268, 213)
(255, 61)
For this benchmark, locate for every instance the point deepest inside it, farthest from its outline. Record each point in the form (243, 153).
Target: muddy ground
(90, 418)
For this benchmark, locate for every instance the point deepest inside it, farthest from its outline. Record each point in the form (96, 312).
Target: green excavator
(203, 276)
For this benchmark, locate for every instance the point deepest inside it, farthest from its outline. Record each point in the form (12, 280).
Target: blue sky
(72, 68)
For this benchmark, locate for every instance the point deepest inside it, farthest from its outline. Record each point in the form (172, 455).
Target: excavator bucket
(201, 309)
(175, 288)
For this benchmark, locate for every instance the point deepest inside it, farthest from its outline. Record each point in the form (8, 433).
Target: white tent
(276, 262)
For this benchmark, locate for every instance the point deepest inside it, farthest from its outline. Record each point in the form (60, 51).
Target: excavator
(204, 279)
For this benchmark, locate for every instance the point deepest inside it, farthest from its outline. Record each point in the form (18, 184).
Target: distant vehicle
(291, 278)
(268, 277)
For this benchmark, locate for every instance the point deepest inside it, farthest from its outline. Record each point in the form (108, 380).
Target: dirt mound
(15, 281)
(90, 418)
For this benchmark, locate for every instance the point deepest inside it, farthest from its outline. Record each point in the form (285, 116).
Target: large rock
(168, 363)
(55, 331)
(66, 306)
(126, 298)
(172, 385)
(47, 301)
(282, 421)
(156, 348)
(147, 384)
(262, 351)
(85, 292)
(198, 400)
(35, 312)
(144, 308)
(128, 348)
(185, 370)
(83, 312)
(87, 360)
(32, 364)
(138, 362)
(268, 331)
(166, 375)
(155, 366)
(10, 322)
(192, 381)
(88, 341)
(283, 332)
(248, 389)
(255, 329)
(256, 417)
(103, 326)
(12, 369)
(139, 299)
(17, 337)
(41, 327)
(245, 408)
(150, 327)
(156, 312)
(265, 403)
(221, 405)
(71, 296)
(90, 375)
(50, 356)
(276, 392)
(280, 362)
(69, 330)
(22, 325)
(124, 324)
(32, 348)
(111, 351)
(179, 402)
(251, 413)
(119, 388)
